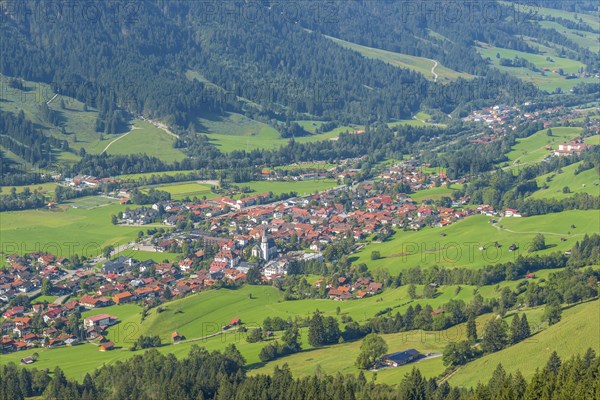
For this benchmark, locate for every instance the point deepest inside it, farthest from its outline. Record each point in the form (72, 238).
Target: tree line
(220, 375)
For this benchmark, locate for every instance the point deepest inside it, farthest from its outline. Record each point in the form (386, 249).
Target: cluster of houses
(24, 274)
(575, 146)
(503, 119)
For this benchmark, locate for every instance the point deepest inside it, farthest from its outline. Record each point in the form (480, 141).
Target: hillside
(577, 331)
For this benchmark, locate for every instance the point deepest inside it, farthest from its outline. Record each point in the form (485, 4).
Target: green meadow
(145, 138)
(340, 358)
(548, 80)
(595, 140)
(419, 64)
(84, 231)
(302, 188)
(434, 193)
(203, 314)
(460, 247)
(577, 331)
(584, 182)
(182, 190)
(238, 132)
(533, 148)
(582, 38)
(47, 187)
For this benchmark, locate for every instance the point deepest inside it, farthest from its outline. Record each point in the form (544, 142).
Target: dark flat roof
(401, 355)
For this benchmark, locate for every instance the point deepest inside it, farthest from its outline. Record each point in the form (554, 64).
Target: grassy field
(434, 193)
(577, 331)
(593, 139)
(460, 246)
(584, 39)
(44, 299)
(306, 166)
(550, 81)
(238, 132)
(583, 182)
(145, 138)
(41, 187)
(419, 64)
(533, 148)
(182, 190)
(302, 188)
(340, 358)
(205, 313)
(84, 231)
(133, 177)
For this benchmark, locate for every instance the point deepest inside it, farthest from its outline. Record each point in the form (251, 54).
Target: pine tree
(316, 330)
(524, 330)
(515, 327)
(472, 329)
(553, 364)
(494, 336)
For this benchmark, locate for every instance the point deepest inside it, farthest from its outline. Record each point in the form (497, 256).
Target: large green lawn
(41, 187)
(145, 138)
(533, 148)
(460, 246)
(182, 190)
(203, 314)
(584, 182)
(577, 331)
(84, 231)
(302, 188)
(238, 132)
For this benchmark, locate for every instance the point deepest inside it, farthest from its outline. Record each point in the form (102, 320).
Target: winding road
(119, 138)
(435, 76)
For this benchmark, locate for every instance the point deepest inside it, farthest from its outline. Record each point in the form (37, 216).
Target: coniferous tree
(472, 329)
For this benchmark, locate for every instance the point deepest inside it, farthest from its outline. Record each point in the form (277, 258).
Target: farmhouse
(400, 358)
(573, 147)
(121, 298)
(107, 346)
(99, 320)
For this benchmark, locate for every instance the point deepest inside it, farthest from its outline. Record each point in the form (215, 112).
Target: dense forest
(137, 61)
(215, 375)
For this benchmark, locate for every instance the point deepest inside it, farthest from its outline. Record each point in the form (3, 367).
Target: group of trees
(323, 330)
(146, 342)
(290, 343)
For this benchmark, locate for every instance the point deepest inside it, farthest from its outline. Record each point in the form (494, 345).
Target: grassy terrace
(460, 246)
(85, 229)
(550, 81)
(533, 148)
(577, 331)
(203, 314)
(238, 132)
(145, 138)
(584, 182)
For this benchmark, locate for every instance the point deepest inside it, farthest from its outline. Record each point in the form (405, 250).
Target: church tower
(264, 247)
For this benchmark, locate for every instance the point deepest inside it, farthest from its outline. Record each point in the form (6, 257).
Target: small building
(400, 358)
(107, 346)
(99, 320)
(27, 360)
(235, 321)
(176, 336)
(121, 298)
